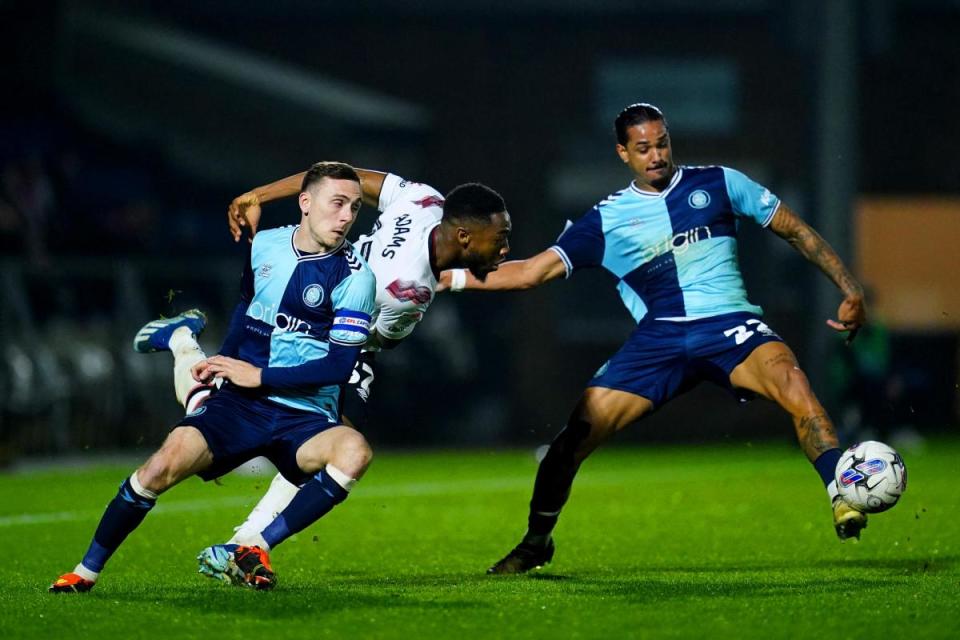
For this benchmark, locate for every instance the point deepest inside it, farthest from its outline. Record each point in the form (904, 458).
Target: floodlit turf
(727, 542)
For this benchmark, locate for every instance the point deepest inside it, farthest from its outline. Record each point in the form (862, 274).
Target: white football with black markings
(871, 476)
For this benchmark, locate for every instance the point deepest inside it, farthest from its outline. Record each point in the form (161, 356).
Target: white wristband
(458, 280)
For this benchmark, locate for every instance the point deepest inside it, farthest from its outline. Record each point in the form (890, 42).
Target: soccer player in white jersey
(669, 238)
(418, 234)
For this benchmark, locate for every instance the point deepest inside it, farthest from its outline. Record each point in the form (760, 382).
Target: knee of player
(157, 474)
(354, 454)
(795, 387)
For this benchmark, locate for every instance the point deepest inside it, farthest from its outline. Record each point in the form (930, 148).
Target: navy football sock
(826, 465)
(554, 479)
(314, 500)
(124, 514)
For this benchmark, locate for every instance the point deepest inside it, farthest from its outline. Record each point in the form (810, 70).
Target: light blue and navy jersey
(297, 306)
(674, 253)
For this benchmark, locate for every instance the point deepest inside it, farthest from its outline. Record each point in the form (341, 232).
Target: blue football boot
(155, 335)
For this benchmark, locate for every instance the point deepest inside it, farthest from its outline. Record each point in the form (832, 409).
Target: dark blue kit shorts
(239, 425)
(662, 358)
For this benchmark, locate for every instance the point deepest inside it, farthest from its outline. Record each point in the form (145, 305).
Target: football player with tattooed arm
(418, 234)
(669, 238)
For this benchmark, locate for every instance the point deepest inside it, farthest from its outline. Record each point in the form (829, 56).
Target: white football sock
(85, 573)
(186, 353)
(275, 500)
(340, 477)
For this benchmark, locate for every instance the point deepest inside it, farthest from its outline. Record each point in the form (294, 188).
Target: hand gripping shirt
(398, 251)
(674, 253)
(300, 304)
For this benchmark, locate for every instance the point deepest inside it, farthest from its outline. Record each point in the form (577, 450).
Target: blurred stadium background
(126, 129)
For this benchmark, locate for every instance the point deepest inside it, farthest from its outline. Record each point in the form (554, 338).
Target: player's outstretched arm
(852, 314)
(512, 275)
(244, 210)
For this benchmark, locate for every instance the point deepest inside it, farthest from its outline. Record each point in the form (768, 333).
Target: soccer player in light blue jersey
(669, 237)
(418, 234)
(306, 303)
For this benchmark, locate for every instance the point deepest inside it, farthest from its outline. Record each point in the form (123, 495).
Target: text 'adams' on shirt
(398, 251)
(299, 303)
(674, 253)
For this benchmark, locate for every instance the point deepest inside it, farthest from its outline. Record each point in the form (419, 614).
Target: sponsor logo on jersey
(766, 198)
(699, 199)
(281, 321)
(313, 295)
(429, 201)
(678, 244)
(264, 271)
(408, 291)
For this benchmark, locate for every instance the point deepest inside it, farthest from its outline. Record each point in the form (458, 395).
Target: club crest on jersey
(264, 270)
(408, 291)
(699, 199)
(313, 295)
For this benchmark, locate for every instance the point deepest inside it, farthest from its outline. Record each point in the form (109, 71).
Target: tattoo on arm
(814, 248)
(816, 434)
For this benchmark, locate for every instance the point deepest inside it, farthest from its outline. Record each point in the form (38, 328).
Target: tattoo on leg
(816, 434)
(777, 359)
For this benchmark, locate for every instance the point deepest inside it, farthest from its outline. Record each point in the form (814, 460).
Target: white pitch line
(411, 490)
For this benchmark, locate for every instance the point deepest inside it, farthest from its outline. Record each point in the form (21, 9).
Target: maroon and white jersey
(398, 251)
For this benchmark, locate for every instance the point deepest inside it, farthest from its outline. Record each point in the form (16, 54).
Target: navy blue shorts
(239, 425)
(662, 359)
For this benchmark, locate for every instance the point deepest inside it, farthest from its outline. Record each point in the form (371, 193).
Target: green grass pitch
(697, 541)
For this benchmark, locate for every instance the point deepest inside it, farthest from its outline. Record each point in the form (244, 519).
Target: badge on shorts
(313, 295)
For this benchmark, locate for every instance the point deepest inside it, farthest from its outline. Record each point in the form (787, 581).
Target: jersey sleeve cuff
(567, 265)
(773, 212)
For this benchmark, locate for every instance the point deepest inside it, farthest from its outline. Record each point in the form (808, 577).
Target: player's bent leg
(599, 414)
(184, 453)
(771, 370)
(338, 457)
(187, 352)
